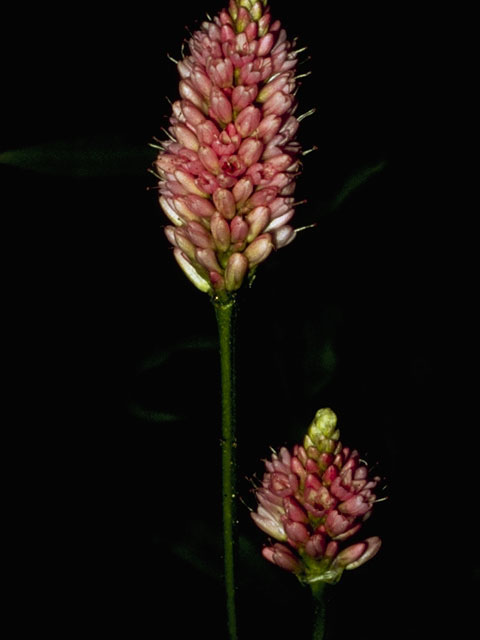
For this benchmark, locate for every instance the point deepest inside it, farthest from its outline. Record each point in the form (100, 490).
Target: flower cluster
(315, 499)
(228, 168)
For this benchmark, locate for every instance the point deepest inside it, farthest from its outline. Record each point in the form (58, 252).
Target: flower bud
(242, 96)
(220, 106)
(220, 231)
(235, 271)
(224, 201)
(248, 120)
(259, 249)
(192, 274)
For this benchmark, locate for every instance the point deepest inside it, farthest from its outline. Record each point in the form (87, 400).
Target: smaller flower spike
(312, 500)
(231, 159)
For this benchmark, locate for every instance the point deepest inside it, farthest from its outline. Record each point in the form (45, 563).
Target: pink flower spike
(231, 151)
(296, 498)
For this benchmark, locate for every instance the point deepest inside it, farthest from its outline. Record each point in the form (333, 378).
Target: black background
(121, 509)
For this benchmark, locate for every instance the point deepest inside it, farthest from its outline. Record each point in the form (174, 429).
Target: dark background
(118, 465)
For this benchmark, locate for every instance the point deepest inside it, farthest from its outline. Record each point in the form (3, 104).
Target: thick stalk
(225, 310)
(319, 617)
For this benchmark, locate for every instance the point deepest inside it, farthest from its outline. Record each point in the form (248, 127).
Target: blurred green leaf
(159, 366)
(151, 415)
(99, 156)
(355, 181)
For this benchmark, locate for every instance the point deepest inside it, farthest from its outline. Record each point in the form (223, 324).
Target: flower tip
(323, 426)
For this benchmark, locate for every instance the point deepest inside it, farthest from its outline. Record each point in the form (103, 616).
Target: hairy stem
(225, 310)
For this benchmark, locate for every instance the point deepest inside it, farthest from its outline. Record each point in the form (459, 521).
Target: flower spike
(312, 500)
(230, 160)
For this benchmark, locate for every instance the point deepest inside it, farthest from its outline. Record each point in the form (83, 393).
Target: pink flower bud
(258, 219)
(183, 242)
(278, 104)
(200, 81)
(259, 249)
(209, 159)
(184, 68)
(281, 555)
(191, 272)
(316, 545)
(297, 531)
(220, 231)
(208, 259)
(170, 211)
(192, 114)
(188, 182)
(185, 137)
(262, 197)
(350, 554)
(189, 93)
(265, 44)
(278, 84)
(242, 96)
(235, 271)
(220, 71)
(200, 237)
(250, 151)
(207, 133)
(269, 127)
(248, 120)
(373, 545)
(281, 221)
(242, 20)
(224, 201)
(220, 106)
(227, 34)
(238, 230)
(199, 206)
(242, 190)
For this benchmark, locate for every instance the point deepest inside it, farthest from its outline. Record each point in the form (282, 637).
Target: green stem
(225, 310)
(319, 626)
